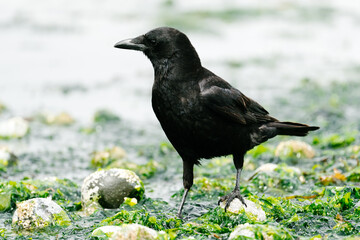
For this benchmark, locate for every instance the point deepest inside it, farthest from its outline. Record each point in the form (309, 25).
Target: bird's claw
(230, 197)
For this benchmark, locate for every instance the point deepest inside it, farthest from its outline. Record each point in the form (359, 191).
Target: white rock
(242, 230)
(14, 128)
(267, 232)
(7, 157)
(38, 213)
(62, 118)
(294, 148)
(108, 231)
(267, 168)
(110, 187)
(270, 167)
(4, 154)
(134, 232)
(253, 209)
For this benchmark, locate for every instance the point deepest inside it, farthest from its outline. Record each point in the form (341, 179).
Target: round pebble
(38, 213)
(110, 187)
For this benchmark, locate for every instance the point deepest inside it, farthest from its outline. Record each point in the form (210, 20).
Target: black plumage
(202, 115)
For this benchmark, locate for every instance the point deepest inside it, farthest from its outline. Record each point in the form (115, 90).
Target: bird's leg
(236, 192)
(188, 179)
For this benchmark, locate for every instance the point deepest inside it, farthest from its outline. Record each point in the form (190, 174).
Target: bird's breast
(173, 102)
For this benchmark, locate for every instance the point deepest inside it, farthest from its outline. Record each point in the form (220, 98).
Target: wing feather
(235, 106)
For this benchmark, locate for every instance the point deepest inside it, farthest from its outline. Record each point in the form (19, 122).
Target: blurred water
(51, 47)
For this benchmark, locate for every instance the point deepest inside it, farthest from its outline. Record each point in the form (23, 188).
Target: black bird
(202, 115)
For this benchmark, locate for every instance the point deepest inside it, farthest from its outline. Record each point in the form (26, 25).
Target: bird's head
(161, 44)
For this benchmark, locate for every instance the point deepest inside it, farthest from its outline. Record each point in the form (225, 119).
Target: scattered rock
(116, 158)
(252, 210)
(130, 201)
(105, 231)
(271, 167)
(14, 128)
(355, 149)
(104, 158)
(135, 232)
(61, 119)
(242, 230)
(259, 231)
(7, 158)
(277, 176)
(109, 188)
(267, 167)
(294, 149)
(38, 213)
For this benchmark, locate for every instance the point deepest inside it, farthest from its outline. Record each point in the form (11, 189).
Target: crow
(202, 115)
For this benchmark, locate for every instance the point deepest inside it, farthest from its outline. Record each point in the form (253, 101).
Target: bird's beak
(132, 43)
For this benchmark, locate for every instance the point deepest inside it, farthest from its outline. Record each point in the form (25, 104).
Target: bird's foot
(230, 197)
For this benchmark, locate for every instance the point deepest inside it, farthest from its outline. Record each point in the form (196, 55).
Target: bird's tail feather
(292, 129)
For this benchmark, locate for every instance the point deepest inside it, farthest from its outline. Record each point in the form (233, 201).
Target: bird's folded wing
(230, 103)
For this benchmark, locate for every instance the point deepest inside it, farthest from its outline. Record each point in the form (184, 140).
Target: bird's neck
(177, 65)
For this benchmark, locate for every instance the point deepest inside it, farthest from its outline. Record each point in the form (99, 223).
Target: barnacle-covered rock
(135, 232)
(105, 231)
(252, 210)
(7, 158)
(242, 230)
(108, 188)
(115, 157)
(294, 149)
(61, 119)
(16, 127)
(38, 213)
(257, 231)
(277, 176)
(107, 156)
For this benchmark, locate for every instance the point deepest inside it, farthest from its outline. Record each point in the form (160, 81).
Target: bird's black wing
(233, 105)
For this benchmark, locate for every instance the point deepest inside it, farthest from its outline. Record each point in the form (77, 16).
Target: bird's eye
(153, 41)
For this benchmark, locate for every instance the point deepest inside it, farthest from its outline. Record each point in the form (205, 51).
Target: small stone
(105, 231)
(61, 119)
(267, 167)
(355, 149)
(130, 201)
(135, 232)
(110, 187)
(270, 176)
(38, 213)
(242, 230)
(268, 232)
(108, 156)
(252, 209)
(14, 128)
(7, 158)
(294, 149)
